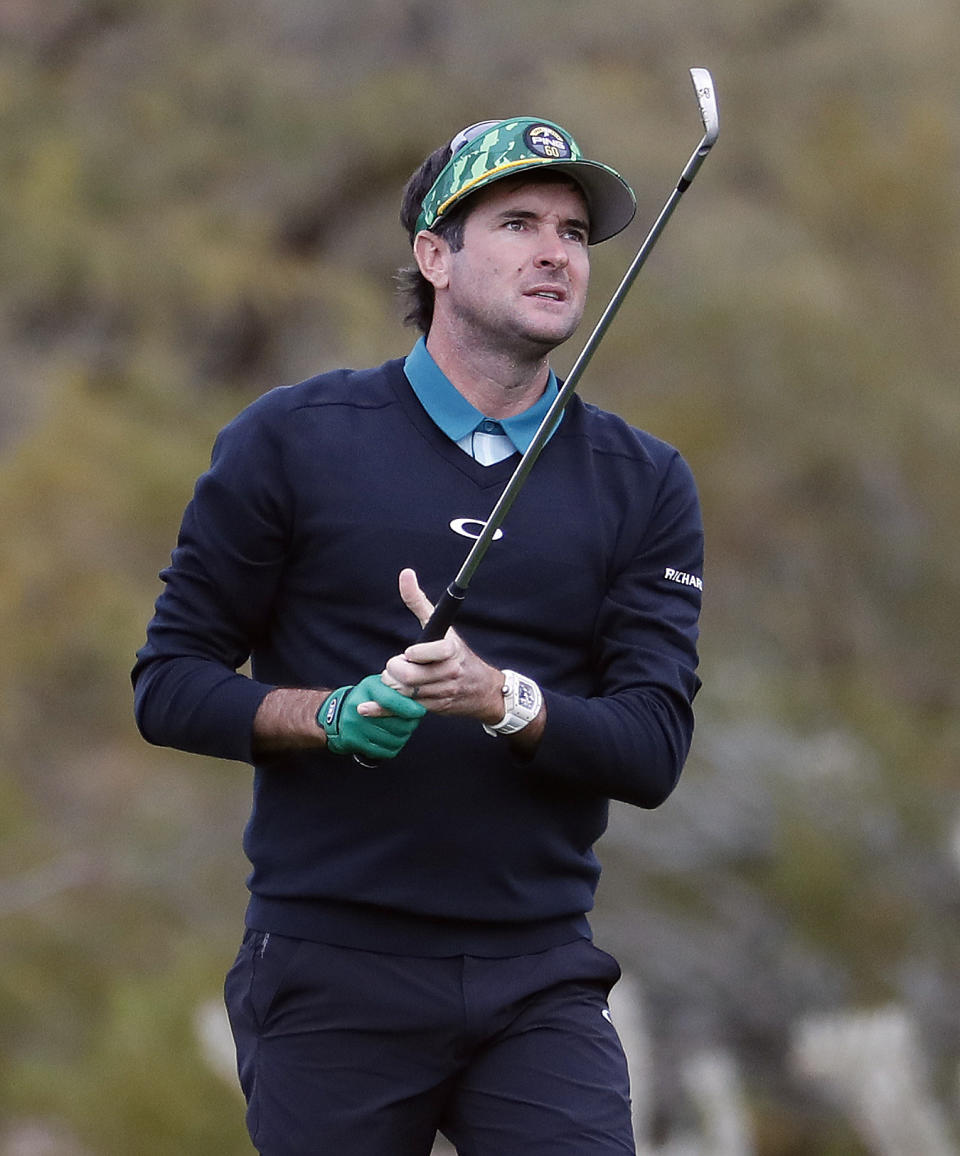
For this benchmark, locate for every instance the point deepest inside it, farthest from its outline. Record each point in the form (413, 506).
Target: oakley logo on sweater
(471, 528)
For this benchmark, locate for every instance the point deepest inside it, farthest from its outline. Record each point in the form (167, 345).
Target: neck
(497, 383)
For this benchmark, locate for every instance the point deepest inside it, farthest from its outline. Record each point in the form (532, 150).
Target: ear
(432, 254)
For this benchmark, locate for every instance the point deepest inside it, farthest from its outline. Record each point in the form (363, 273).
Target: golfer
(417, 955)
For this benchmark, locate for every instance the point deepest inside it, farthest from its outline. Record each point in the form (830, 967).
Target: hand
(445, 676)
(370, 719)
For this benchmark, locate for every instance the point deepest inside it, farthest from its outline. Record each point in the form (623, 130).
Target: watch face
(525, 696)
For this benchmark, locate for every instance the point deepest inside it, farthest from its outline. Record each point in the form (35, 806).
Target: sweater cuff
(618, 750)
(198, 706)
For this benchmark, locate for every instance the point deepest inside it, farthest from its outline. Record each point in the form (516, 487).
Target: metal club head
(707, 100)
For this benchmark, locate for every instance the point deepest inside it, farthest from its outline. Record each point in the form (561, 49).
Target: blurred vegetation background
(199, 202)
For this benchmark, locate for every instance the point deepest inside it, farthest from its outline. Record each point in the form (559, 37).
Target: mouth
(547, 293)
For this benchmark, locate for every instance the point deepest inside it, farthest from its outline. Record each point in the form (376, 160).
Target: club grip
(446, 610)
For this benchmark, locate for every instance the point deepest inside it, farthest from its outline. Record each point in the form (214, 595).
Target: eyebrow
(529, 215)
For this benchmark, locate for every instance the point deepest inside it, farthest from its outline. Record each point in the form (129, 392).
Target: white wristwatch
(522, 700)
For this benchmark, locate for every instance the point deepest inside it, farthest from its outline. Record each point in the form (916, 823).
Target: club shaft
(450, 602)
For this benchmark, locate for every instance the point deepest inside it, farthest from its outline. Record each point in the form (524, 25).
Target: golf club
(449, 603)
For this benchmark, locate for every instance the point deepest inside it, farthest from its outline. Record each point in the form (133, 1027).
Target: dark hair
(414, 289)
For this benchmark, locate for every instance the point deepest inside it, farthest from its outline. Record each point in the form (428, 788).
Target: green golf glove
(349, 733)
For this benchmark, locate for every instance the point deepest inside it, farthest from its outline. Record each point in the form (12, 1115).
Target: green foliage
(119, 1055)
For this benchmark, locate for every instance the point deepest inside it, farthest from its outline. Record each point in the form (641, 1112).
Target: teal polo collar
(451, 411)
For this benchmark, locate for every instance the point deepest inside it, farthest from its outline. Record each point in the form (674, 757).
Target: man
(417, 954)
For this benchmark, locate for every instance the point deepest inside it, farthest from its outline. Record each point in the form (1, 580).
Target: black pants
(355, 1053)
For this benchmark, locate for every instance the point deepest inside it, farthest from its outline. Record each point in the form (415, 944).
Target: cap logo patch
(545, 141)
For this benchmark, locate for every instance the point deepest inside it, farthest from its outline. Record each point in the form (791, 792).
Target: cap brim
(609, 198)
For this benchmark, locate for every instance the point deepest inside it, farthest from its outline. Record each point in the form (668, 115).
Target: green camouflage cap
(492, 149)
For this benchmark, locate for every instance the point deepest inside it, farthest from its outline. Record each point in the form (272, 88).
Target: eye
(575, 234)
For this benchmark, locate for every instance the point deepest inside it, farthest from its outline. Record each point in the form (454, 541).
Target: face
(520, 280)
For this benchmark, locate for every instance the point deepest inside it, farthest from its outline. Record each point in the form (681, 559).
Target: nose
(552, 252)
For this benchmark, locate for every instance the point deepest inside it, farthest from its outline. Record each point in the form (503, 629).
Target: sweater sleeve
(218, 592)
(629, 740)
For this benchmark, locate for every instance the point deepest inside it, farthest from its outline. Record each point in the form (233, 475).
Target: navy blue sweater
(317, 496)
